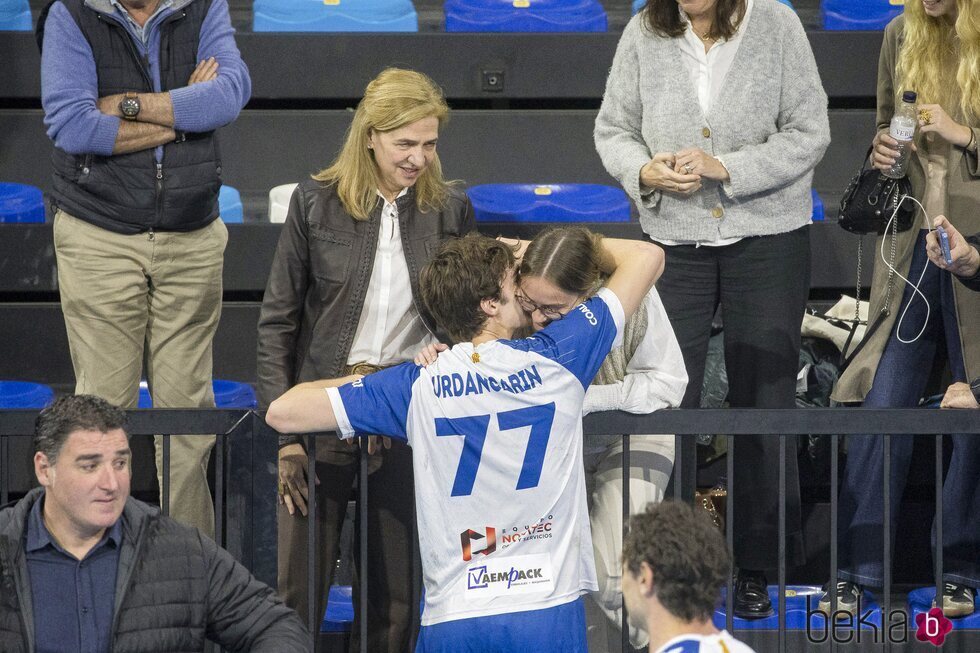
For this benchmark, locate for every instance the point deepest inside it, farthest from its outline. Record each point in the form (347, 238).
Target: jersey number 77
(474, 429)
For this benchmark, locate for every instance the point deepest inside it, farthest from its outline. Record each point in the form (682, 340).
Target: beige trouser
(154, 295)
(651, 462)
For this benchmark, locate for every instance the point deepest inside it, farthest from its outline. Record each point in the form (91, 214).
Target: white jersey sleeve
(377, 404)
(722, 642)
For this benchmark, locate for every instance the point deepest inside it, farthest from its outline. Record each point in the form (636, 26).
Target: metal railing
(245, 485)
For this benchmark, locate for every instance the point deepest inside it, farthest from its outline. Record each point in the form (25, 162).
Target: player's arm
(305, 408)
(634, 266)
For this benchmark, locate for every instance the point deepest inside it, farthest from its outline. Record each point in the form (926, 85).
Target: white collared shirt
(708, 72)
(389, 330)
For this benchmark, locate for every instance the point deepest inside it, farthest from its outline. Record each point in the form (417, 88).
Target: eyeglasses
(549, 312)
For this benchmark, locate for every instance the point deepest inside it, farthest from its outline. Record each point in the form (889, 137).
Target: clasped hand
(682, 172)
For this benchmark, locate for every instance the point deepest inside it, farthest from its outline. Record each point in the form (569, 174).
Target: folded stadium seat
(15, 16)
(549, 203)
(801, 605)
(279, 202)
(525, 16)
(24, 394)
(920, 601)
(858, 14)
(227, 394)
(21, 203)
(335, 16)
(818, 213)
(340, 610)
(230, 205)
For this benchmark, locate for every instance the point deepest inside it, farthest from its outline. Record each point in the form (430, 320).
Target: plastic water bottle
(902, 129)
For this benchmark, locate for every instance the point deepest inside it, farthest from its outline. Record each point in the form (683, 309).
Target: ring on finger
(688, 168)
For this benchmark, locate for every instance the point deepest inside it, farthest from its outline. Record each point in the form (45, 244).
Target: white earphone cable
(915, 286)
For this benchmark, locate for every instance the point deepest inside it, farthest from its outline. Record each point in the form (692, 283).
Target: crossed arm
(80, 122)
(155, 123)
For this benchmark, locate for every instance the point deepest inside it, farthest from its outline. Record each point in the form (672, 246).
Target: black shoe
(752, 595)
(958, 600)
(848, 597)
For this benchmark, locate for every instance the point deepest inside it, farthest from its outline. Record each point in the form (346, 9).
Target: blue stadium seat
(340, 610)
(858, 14)
(549, 203)
(818, 212)
(21, 203)
(15, 16)
(335, 16)
(525, 16)
(227, 394)
(799, 600)
(920, 601)
(230, 205)
(24, 394)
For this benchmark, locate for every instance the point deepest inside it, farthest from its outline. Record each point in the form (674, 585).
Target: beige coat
(962, 209)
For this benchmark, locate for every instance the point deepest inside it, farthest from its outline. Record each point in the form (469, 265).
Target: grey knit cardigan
(769, 126)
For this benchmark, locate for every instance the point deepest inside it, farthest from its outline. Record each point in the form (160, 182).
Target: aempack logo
(467, 537)
(511, 575)
(932, 627)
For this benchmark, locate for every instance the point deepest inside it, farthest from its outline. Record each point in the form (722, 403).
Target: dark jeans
(900, 380)
(762, 284)
(390, 515)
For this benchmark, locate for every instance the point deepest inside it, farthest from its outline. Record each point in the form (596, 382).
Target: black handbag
(870, 200)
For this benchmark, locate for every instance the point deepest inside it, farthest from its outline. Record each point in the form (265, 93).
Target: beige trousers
(154, 296)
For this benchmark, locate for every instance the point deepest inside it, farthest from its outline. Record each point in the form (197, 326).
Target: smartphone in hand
(944, 245)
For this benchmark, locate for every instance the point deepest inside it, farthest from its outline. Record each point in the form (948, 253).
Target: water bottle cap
(909, 96)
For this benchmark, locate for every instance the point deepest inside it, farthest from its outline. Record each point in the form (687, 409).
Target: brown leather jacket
(319, 279)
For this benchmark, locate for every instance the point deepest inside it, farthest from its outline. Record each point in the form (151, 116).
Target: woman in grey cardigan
(713, 120)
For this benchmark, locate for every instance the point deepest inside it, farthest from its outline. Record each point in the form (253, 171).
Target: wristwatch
(129, 106)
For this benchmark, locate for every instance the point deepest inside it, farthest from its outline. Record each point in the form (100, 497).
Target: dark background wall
(537, 128)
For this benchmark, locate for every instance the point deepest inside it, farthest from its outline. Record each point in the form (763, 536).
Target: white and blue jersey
(496, 434)
(722, 642)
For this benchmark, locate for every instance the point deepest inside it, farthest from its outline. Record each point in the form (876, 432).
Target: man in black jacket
(85, 567)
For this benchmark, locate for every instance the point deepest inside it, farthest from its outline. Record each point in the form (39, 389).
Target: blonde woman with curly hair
(342, 299)
(934, 50)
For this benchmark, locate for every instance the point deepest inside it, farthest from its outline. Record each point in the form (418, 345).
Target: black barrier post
(312, 574)
(362, 509)
(678, 465)
(730, 533)
(938, 555)
(4, 471)
(887, 534)
(219, 488)
(624, 626)
(834, 454)
(165, 474)
(781, 544)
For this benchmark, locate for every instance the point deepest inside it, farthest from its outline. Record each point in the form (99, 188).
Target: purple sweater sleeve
(70, 87)
(209, 105)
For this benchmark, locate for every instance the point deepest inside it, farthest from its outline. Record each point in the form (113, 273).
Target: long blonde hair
(933, 49)
(393, 99)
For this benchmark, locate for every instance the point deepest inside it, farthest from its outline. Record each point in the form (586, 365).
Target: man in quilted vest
(133, 92)
(85, 567)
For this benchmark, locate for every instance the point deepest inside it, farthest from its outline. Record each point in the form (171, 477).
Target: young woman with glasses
(559, 269)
